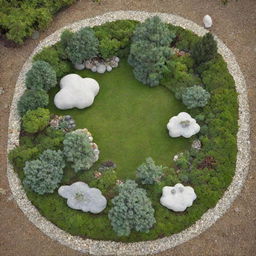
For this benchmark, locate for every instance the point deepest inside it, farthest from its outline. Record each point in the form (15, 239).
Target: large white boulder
(207, 20)
(183, 125)
(177, 198)
(76, 92)
(81, 197)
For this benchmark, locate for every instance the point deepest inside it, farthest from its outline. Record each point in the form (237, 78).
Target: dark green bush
(35, 120)
(53, 57)
(41, 76)
(150, 50)
(132, 210)
(31, 100)
(205, 49)
(215, 74)
(81, 45)
(19, 19)
(21, 154)
(115, 37)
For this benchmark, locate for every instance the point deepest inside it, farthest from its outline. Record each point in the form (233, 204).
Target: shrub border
(147, 247)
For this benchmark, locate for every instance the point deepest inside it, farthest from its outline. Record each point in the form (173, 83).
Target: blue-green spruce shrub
(44, 174)
(81, 46)
(132, 210)
(150, 50)
(78, 151)
(149, 172)
(41, 76)
(195, 96)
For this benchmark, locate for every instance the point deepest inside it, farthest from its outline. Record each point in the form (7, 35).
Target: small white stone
(101, 68)
(109, 68)
(116, 59)
(207, 20)
(94, 69)
(79, 66)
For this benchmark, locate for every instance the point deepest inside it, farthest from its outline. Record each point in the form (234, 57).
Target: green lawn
(128, 120)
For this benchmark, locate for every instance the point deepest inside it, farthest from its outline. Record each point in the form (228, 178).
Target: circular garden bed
(128, 122)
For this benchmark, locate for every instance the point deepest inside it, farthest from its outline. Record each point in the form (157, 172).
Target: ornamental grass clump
(35, 120)
(78, 151)
(132, 210)
(195, 96)
(81, 45)
(148, 172)
(150, 50)
(32, 99)
(44, 174)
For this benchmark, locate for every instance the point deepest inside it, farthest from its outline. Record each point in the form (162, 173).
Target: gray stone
(94, 69)
(35, 35)
(109, 68)
(79, 66)
(101, 68)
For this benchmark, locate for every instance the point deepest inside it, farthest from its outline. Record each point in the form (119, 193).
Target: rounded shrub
(78, 150)
(132, 210)
(35, 120)
(41, 76)
(32, 99)
(150, 50)
(148, 172)
(195, 96)
(44, 174)
(81, 45)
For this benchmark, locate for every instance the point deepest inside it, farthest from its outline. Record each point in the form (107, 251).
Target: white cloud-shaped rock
(182, 125)
(177, 198)
(76, 92)
(81, 197)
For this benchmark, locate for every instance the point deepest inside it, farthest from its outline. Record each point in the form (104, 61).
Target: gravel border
(148, 247)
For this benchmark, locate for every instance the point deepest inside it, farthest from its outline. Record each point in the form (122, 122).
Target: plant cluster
(150, 50)
(115, 37)
(149, 172)
(19, 19)
(81, 45)
(44, 174)
(132, 210)
(35, 120)
(78, 150)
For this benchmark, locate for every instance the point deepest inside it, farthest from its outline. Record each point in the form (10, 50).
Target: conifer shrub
(149, 172)
(115, 37)
(81, 45)
(35, 120)
(205, 49)
(132, 210)
(78, 151)
(54, 58)
(41, 76)
(195, 96)
(150, 50)
(31, 100)
(44, 174)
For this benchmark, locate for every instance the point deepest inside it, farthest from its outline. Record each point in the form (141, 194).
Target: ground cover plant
(128, 122)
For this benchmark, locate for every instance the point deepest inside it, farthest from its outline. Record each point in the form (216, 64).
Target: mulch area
(235, 23)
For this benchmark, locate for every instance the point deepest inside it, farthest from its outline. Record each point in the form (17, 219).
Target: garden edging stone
(149, 247)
